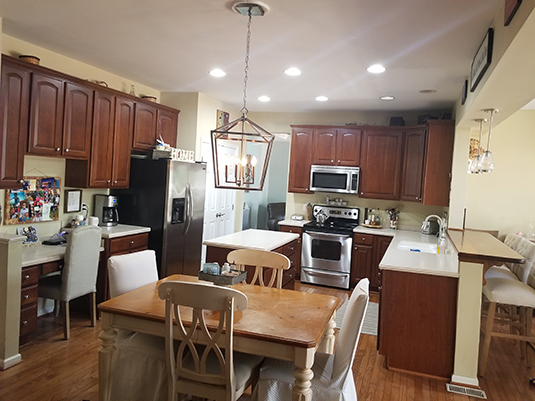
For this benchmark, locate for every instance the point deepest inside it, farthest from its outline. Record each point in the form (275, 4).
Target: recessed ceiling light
(428, 91)
(264, 98)
(322, 98)
(218, 73)
(376, 69)
(293, 71)
(387, 97)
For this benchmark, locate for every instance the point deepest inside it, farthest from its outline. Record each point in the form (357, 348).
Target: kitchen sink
(415, 246)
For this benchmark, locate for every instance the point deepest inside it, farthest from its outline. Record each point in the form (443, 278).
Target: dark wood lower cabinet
(368, 250)
(417, 320)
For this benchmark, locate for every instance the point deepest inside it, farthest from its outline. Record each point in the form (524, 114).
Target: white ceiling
(172, 46)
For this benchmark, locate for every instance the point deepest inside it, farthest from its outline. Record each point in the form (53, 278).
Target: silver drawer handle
(24, 322)
(26, 277)
(26, 296)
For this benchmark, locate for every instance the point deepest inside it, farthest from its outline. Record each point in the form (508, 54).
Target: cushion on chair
(500, 272)
(131, 271)
(525, 248)
(510, 292)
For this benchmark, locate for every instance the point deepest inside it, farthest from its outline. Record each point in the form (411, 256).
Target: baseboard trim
(11, 361)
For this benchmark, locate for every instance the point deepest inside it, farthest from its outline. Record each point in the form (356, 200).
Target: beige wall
(504, 199)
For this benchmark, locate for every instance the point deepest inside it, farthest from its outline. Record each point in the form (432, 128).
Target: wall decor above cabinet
(396, 163)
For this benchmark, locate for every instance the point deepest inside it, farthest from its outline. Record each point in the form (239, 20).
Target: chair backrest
(524, 271)
(218, 382)
(276, 212)
(79, 275)
(274, 262)
(130, 271)
(348, 337)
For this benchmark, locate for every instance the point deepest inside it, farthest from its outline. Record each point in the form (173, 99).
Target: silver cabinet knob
(26, 277)
(57, 149)
(115, 182)
(66, 150)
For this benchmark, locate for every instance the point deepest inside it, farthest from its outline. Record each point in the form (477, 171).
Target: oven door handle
(318, 234)
(316, 273)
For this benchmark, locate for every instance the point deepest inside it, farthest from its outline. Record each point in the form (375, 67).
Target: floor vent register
(472, 392)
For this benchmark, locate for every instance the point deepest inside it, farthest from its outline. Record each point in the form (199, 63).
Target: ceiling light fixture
(241, 148)
(387, 97)
(264, 98)
(473, 167)
(376, 69)
(322, 98)
(293, 71)
(217, 73)
(486, 161)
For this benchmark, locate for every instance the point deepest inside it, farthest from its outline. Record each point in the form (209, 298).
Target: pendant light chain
(244, 110)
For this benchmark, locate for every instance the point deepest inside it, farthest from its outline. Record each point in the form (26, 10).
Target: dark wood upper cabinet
(168, 126)
(438, 162)
(124, 129)
(14, 106)
(300, 159)
(381, 154)
(77, 121)
(413, 164)
(151, 122)
(337, 147)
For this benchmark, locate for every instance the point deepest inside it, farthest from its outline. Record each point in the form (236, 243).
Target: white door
(219, 205)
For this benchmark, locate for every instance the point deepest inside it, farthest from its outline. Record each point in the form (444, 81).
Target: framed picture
(30, 233)
(482, 60)
(511, 6)
(464, 93)
(73, 200)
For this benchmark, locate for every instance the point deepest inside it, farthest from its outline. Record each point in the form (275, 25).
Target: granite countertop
(263, 240)
(293, 223)
(122, 230)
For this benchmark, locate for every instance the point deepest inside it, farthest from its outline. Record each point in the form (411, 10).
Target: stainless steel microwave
(344, 180)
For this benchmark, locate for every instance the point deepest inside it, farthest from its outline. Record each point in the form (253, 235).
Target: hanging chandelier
(241, 148)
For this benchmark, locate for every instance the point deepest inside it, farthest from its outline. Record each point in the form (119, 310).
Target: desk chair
(275, 262)
(276, 212)
(333, 377)
(138, 368)
(79, 274)
(215, 371)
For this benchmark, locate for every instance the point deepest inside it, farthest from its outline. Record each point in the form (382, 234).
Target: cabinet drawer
(294, 259)
(30, 275)
(129, 243)
(291, 248)
(28, 320)
(364, 239)
(28, 295)
(291, 229)
(51, 267)
(288, 275)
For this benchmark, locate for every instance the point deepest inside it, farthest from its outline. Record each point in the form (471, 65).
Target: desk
(282, 324)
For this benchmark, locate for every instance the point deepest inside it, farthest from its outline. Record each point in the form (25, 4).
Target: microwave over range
(344, 180)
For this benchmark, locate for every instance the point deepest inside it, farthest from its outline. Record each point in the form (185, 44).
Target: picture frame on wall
(73, 200)
(464, 92)
(482, 60)
(510, 9)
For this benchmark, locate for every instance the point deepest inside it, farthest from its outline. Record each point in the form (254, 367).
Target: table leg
(328, 340)
(107, 346)
(304, 359)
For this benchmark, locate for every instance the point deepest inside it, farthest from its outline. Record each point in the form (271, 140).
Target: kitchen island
(286, 243)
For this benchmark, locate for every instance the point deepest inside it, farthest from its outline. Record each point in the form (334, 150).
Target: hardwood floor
(58, 370)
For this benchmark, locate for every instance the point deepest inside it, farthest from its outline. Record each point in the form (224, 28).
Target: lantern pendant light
(241, 148)
(486, 161)
(474, 163)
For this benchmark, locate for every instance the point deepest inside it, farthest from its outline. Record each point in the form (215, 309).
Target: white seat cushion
(500, 272)
(510, 292)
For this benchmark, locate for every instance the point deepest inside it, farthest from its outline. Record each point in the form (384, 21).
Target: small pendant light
(486, 162)
(474, 163)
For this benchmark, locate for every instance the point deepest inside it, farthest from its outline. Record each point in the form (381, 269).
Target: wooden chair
(139, 369)
(261, 260)
(333, 376)
(79, 274)
(215, 371)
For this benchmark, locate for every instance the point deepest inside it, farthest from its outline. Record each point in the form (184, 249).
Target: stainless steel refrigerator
(167, 196)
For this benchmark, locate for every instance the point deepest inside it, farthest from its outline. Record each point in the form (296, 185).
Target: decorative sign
(511, 6)
(37, 201)
(482, 60)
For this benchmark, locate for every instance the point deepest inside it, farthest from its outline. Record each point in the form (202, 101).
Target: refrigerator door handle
(189, 209)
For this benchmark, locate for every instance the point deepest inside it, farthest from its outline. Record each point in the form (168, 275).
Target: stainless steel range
(327, 245)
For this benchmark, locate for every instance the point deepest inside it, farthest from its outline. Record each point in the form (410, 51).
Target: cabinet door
(413, 163)
(14, 106)
(46, 115)
(438, 160)
(381, 164)
(325, 147)
(297, 254)
(168, 126)
(145, 125)
(78, 119)
(361, 262)
(380, 247)
(124, 131)
(102, 142)
(300, 160)
(348, 147)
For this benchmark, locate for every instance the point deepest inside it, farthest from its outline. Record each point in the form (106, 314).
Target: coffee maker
(106, 210)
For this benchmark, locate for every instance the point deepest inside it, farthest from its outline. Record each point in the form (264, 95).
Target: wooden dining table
(281, 324)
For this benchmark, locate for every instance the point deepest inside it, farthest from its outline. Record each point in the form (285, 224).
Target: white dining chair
(269, 266)
(212, 371)
(333, 378)
(78, 276)
(139, 370)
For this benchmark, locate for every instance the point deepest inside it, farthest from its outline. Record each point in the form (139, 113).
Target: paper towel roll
(92, 220)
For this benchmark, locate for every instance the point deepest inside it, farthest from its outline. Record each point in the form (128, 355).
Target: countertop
(263, 240)
(122, 230)
(293, 223)
(443, 264)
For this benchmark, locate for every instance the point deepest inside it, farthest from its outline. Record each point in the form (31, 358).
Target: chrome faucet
(441, 222)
